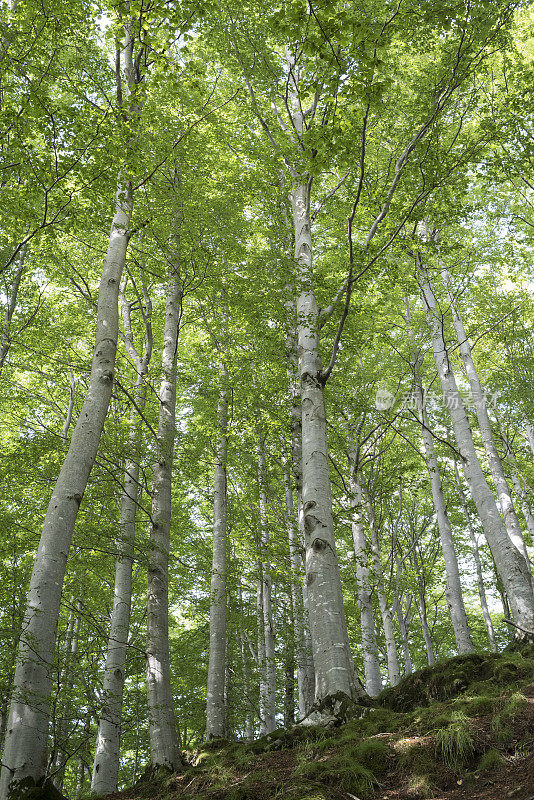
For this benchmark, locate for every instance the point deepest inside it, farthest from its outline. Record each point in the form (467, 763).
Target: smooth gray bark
(304, 662)
(164, 745)
(371, 664)
(383, 603)
(107, 748)
(504, 494)
(334, 667)
(215, 708)
(511, 565)
(478, 564)
(27, 731)
(268, 683)
(66, 684)
(5, 340)
(453, 592)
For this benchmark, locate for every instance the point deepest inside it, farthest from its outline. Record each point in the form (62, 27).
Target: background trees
(250, 139)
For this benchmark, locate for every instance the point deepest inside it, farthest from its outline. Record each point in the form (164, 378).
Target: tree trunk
(334, 667)
(106, 760)
(164, 747)
(64, 705)
(453, 591)
(371, 665)
(27, 731)
(304, 662)
(423, 618)
(5, 340)
(268, 684)
(504, 494)
(511, 565)
(215, 708)
(478, 564)
(385, 610)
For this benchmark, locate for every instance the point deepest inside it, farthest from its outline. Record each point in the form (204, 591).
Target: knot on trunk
(310, 380)
(318, 545)
(107, 376)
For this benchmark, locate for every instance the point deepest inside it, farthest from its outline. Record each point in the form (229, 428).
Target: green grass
(454, 744)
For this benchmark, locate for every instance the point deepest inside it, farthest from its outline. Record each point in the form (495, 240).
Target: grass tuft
(454, 743)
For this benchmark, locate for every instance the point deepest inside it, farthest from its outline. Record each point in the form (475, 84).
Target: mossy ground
(463, 729)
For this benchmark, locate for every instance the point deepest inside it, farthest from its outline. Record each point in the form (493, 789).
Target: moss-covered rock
(29, 789)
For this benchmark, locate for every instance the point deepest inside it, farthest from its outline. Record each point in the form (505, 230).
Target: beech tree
(300, 467)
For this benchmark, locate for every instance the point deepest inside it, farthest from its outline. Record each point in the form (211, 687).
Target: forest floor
(461, 730)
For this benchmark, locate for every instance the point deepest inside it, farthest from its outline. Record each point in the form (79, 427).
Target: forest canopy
(266, 371)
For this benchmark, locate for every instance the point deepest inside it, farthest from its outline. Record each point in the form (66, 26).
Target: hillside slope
(462, 729)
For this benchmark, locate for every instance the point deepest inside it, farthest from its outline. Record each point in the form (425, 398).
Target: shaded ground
(463, 730)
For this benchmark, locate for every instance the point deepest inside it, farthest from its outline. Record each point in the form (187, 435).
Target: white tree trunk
(268, 684)
(215, 707)
(5, 339)
(27, 731)
(334, 667)
(371, 664)
(517, 484)
(383, 604)
(66, 684)
(529, 430)
(453, 591)
(164, 746)
(106, 760)
(478, 564)
(511, 565)
(303, 653)
(504, 494)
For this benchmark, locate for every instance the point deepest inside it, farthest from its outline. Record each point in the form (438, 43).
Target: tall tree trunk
(383, 604)
(215, 708)
(511, 565)
(453, 591)
(106, 760)
(478, 564)
(423, 618)
(504, 494)
(371, 664)
(27, 731)
(66, 684)
(5, 339)
(518, 484)
(304, 662)
(164, 746)
(268, 698)
(334, 667)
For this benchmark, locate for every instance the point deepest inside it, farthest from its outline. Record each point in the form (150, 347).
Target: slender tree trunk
(334, 667)
(404, 626)
(453, 591)
(164, 747)
(529, 430)
(371, 664)
(385, 610)
(27, 731)
(304, 662)
(106, 760)
(423, 618)
(478, 564)
(268, 685)
(5, 339)
(504, 494)
(66, 684)
(511, 565)
(518, 485)
(215, 709)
